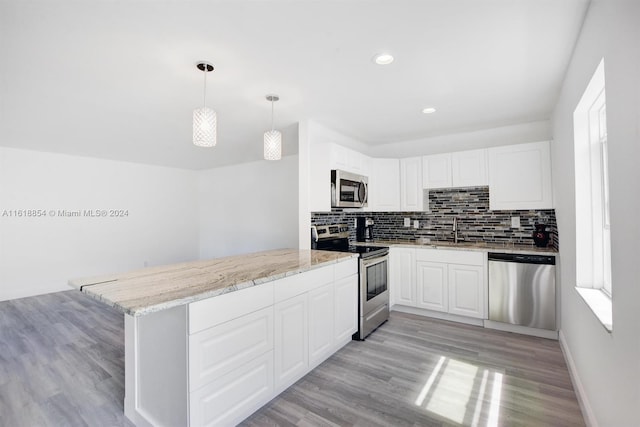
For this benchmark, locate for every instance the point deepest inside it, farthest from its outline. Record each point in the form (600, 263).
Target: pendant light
(272, 138)
(205, 120)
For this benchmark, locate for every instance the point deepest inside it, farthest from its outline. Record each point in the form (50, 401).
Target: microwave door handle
(366, 195)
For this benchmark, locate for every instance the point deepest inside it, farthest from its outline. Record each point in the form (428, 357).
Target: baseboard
(583, 400)
(436, 315)
(524, 330)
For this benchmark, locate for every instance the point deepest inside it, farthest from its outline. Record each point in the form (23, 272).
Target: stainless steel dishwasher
(522, 290)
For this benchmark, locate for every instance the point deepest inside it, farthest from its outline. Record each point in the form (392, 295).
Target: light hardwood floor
(62, 364)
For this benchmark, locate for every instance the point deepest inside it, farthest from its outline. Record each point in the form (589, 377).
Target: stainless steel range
(373, 309)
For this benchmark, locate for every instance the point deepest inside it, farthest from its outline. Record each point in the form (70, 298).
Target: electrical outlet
(407, 222)
(416, 223)
(515, 222)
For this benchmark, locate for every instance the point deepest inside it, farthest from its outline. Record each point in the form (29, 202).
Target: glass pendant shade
(205, 122)
(272, 145)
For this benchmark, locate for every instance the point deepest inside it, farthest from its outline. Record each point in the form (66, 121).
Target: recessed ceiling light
(429, 110)
(383, 59)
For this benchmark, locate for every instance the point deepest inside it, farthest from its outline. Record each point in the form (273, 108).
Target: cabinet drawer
(297, 284)
(451, 256)
(219, 350)
(233, 397)
(222, 308)
(346, 268)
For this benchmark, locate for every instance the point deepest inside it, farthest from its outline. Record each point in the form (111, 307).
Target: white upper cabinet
(450, 170)
(436, 171)
(520, 177)
(349, 160)
(469, 168)
(410, 188)
(384, 185)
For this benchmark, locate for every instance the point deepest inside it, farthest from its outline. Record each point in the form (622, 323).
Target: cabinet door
(410, 188)
(520, 177)
(436, 171)
(291, 339)
(469, 168)
(321, 323)
(467, 290)
(339, 157)
(319, 178)
(233, 397)
(346, 308)
(223, 348)
(402, 262)
(384, 185)
(432, 286)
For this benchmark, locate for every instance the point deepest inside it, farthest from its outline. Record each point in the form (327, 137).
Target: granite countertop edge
(84, 287)
(463, 246)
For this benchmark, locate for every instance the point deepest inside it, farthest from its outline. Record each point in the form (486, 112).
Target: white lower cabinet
(238, 360)
(446, 281)
(402, 265)
(231, 398)
(346, 308)
(467, 290)
(321, 320)
(291, 340)
(432, 286)
(221, 349)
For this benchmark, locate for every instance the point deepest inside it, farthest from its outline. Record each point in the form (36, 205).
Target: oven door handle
(373, 261)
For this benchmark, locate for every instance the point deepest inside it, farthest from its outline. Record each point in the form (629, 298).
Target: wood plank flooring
(62, 364)
(414, 371)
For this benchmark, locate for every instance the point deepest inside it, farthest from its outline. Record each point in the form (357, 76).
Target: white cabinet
(432, 286)
(384, 185)
(458, 169)
(520, 177)
(319, 178)
(219, 350)
(436, 171)
(346, 308)
(321, 323)
(347, 159)
(466, 290)
(291, 341)
(402, 264)
(410, 184)
(231, 398)
(469, 168)
(446, 281)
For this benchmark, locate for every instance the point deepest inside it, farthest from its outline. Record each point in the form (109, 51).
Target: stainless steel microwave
(348, 190)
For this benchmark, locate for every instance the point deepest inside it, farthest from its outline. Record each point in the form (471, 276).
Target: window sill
(600, 304)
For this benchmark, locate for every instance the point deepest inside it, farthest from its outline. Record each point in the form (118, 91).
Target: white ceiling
(117, 79)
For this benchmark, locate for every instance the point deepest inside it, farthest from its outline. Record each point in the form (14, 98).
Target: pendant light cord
(272, 114)
(204, 93)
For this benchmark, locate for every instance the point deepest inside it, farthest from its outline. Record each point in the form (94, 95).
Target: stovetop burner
(336, 238)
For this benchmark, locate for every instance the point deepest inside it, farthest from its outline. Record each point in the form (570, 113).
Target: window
(593, 226)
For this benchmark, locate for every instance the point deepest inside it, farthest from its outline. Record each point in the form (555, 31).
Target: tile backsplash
(476, 223)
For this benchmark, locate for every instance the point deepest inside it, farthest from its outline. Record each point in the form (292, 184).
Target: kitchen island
(209, 342)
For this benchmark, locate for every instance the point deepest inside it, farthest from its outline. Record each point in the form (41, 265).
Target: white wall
(39, 255)
(248, 207)
(607, 366)
(460, 141)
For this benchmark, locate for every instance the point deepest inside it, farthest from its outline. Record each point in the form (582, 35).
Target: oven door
(374, 293)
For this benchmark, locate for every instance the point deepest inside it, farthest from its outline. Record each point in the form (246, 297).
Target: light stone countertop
(157, 288)
(465, 246)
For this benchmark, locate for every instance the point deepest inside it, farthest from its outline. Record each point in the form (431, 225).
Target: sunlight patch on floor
(463, 393)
